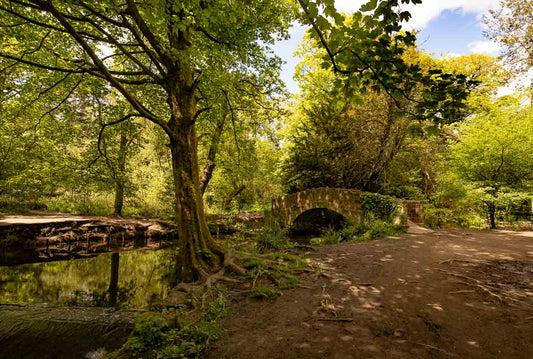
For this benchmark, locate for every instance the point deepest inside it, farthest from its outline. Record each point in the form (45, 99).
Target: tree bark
(199, 256)
(212, 153)
(492, 215)
(120, 175)
(198, 252)
(233, 194)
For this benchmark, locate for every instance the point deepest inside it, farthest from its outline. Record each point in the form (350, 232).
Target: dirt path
(427, 294)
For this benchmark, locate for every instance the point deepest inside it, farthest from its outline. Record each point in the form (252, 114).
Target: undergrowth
(366, 230)
(273, 236)
(275, 269)
(181, 332)
(186, 330)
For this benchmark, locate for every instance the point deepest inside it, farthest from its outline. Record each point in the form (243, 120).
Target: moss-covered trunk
(199, 254)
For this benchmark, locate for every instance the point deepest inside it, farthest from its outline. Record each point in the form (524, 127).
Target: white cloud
(449, 55)
(517, 85)
(484, 47)
(429, 10)
(349, 6)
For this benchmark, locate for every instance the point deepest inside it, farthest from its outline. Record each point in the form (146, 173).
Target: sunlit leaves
(367, 50)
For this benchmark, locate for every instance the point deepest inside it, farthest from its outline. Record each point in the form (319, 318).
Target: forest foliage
(366, 117)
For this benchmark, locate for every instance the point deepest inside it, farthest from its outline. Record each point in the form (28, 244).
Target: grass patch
(274, 271)
(264, 293)
(366, 230)
(273, 236)
(329, 236)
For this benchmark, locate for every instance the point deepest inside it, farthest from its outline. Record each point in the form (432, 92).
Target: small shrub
(148, 331)
(380, 229)
(382, 207)
(329, 236)
(180, 333)
(273, 236)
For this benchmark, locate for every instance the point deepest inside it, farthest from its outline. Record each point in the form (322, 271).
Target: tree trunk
(120, 175)
(492, 215)
(211, 155)
(233, 194)
(199, 254)
(119, 200)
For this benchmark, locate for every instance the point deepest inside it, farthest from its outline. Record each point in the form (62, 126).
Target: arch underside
(345, 202)
(292, 217)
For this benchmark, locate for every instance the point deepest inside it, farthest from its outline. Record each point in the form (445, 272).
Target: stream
(130, 279)
(68, 309)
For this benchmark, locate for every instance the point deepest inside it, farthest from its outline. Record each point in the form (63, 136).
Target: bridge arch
(346, 202)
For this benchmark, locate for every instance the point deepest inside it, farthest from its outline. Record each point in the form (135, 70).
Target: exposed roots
(208, 279)
(487, 288)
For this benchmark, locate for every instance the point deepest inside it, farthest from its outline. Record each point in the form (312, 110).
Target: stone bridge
(346, 202)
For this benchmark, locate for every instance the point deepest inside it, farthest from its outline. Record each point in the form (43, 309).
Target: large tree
(156, 55)
(493, 152)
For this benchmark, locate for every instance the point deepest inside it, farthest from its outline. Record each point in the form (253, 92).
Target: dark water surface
(133, 279)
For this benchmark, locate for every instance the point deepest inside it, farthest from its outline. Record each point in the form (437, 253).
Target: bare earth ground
(427, 294)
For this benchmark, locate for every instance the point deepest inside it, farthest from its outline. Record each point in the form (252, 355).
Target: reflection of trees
(113, 279)
(140, 276)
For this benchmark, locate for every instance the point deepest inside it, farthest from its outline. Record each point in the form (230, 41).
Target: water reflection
(133, 279)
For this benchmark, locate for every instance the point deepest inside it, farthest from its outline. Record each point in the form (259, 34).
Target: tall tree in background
(512, 27)
(350, 140)
(493, 152)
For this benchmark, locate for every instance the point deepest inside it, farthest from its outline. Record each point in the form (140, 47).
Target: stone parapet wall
(414, 211)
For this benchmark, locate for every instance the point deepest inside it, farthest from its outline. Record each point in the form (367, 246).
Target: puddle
(132, 279)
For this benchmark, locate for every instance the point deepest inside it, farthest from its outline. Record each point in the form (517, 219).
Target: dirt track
(427, 294)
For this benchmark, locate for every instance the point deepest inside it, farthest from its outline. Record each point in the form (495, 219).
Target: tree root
(334, 319)
(451, 260)
(487, 288)
(208, 279)
(437, 349)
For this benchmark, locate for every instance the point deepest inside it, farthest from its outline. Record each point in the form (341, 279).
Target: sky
(447, 28)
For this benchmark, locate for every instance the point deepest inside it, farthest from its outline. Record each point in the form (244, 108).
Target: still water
(133, 279)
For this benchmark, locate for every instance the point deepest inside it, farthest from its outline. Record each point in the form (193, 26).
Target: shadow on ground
(426, 294)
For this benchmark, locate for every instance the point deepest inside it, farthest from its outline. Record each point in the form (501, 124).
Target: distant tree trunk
(120, 174)
(232, 195)
(492, 215)
(390, 145)
(212, 153)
